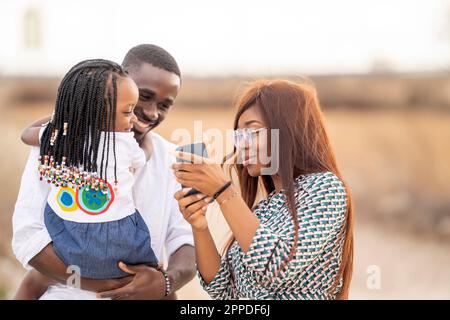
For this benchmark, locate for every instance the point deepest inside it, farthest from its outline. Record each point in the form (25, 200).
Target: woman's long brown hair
(294, 109)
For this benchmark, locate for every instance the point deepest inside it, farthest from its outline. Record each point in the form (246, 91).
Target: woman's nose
(244, 144)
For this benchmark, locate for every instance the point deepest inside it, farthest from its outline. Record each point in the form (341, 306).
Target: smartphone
(195, 148)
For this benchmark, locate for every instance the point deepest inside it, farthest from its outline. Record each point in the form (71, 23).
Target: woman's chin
(253, 170)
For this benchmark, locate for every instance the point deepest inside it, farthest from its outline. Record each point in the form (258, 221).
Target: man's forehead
(149, 75)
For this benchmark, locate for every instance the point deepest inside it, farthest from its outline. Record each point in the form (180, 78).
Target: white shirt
(153, 193)
(95, 206)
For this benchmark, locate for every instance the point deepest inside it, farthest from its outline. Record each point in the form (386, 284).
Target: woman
(297, 243)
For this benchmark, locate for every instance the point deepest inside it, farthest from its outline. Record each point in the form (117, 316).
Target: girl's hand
(203, 174)
(193, 208)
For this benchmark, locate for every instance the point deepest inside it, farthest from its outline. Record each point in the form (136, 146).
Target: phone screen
(195, 148)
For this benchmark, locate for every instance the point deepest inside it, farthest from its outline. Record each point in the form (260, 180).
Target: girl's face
(127, 97)
(251, 140)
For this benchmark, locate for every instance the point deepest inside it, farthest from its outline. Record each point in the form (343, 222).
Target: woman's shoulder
(323, 196)
(321, 184)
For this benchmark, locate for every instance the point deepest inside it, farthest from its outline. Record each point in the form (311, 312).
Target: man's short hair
(152, 54)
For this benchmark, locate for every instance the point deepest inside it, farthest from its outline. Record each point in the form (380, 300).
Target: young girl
(88, 156)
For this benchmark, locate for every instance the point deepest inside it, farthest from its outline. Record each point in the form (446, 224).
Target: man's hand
(48, 263)
(148, 284)
(144, 282)
(99, 285)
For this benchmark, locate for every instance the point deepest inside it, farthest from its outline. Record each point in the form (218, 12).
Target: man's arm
(148, 282)
(30, 235)
(49, 264)
(180, 248)
(181, 268)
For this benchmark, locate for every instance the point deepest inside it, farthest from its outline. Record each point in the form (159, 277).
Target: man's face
(158, 89)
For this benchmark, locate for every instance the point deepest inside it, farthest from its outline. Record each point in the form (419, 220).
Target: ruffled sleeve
(221, 287)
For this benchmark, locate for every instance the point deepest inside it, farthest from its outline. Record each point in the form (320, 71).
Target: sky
(221, 38)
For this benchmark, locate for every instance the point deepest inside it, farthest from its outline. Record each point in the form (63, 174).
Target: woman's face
(252, 146)
(127, 97)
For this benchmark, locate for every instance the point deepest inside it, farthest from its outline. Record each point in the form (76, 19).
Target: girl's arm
(30, 135)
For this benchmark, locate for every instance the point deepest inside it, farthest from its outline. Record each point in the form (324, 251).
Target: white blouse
(90, 206)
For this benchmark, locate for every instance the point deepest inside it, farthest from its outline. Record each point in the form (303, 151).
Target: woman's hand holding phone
(195, 170)
(193, 208)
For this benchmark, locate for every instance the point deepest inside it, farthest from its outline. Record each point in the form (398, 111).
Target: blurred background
(382, 71)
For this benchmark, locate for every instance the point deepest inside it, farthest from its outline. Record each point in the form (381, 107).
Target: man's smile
(142, 120)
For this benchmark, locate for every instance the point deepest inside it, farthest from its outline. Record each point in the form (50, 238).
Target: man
(158, 78)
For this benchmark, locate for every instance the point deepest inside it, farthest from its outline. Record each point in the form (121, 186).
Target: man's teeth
(142, 123)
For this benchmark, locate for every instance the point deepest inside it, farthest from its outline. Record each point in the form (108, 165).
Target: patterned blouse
(321, 206)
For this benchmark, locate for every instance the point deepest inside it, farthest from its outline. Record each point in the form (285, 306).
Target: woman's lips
(248, 160)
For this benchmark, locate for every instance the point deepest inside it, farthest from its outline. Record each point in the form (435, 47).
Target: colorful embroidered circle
(94, 202)
(66, 199)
